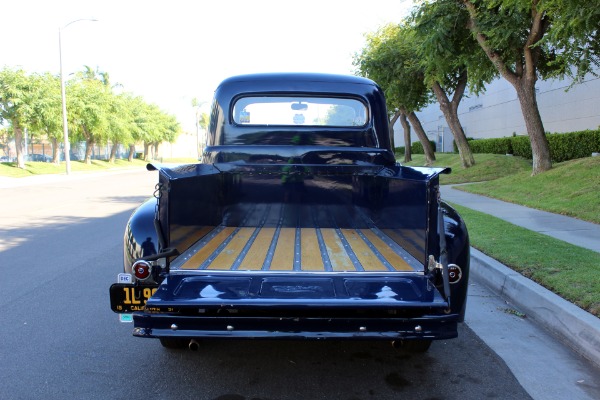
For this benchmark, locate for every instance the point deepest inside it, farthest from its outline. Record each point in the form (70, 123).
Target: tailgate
(411, 294)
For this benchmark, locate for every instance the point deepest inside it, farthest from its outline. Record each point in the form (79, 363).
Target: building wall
(186, 146)
(497, 112)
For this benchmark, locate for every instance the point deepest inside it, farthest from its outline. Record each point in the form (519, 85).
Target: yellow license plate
(127, 298)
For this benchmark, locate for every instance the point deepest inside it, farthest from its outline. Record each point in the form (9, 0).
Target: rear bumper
(434, 327)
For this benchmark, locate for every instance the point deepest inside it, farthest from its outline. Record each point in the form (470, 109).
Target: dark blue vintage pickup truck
(297, 224)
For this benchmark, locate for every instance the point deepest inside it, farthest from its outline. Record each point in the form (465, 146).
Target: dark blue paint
(325, 177)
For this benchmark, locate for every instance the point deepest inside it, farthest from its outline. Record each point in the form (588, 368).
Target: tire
(174, 342)
(416, 346)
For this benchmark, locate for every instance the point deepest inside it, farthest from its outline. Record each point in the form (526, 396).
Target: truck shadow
(267, 369)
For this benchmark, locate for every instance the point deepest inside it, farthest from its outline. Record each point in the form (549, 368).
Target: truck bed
(276, 246)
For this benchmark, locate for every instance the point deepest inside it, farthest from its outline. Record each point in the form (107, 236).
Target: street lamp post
(64, 96)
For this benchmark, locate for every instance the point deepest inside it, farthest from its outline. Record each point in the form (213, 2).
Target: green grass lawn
(567, 270)
(570, 188)
(487, 167)
(40, 168)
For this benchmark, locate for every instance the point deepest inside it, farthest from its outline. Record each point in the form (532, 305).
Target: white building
(497, 112)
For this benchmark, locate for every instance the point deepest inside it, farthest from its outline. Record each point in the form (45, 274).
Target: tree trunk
(89, 146)
(407, 143)
(113, 153)
(391, 128)
(146, 151)
(131, 152)
(55, 151)
(414, 121)
(19, 144)
(450, 111)
(540, 149)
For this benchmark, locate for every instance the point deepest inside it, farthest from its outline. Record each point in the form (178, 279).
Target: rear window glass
(305, 111)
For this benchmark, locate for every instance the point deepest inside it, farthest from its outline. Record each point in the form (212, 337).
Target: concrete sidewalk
(577, 328)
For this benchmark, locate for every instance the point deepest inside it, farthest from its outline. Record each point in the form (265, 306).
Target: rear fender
(140, 239)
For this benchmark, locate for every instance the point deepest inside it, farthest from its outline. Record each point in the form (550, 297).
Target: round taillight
(454, 273)
(141, 270)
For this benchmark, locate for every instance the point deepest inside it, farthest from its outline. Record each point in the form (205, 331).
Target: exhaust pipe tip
(194, 345)
(396, 344)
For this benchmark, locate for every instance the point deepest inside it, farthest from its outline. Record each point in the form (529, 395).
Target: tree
(390, 59)
(121, 124)
(47, 110)
(15, 101)
(137, 107)
(407, 142)
(529, 39)
(89, 106)
(393, 119)
(575, 35)
(452, 61)
(154, 127)
(4, 138)
(96, 114)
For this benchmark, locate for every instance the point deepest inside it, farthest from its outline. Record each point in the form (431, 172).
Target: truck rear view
(298, 224)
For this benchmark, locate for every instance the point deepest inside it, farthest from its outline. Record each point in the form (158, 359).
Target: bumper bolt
(174, 327)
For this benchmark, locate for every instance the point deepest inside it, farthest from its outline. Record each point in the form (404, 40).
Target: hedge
(492, 146)
(417, 147)
(568, 146)
(563, 146)
(399, 150)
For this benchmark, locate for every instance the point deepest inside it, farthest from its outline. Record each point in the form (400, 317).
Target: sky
(170, 52)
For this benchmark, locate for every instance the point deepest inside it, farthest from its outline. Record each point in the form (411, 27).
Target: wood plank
(257, 254)
(365, 255)
(197, 259)
(386, 251)
(230, 253)
(310, 258)
(283, 259)
(179, 235)
(340, 261)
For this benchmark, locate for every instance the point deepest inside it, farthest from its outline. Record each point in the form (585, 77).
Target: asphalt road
(61, 248)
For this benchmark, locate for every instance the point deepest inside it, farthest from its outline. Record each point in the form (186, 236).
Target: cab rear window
(300, 111)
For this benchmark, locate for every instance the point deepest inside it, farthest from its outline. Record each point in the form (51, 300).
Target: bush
(492, 146)
(521, 146)
(563, 146)
(488, 146)
(399, 151)
(417, 147)
(569, 146)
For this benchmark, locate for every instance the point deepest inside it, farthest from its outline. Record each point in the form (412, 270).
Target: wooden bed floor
(296, 249)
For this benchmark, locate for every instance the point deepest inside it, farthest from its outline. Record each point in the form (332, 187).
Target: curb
(575, 327)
